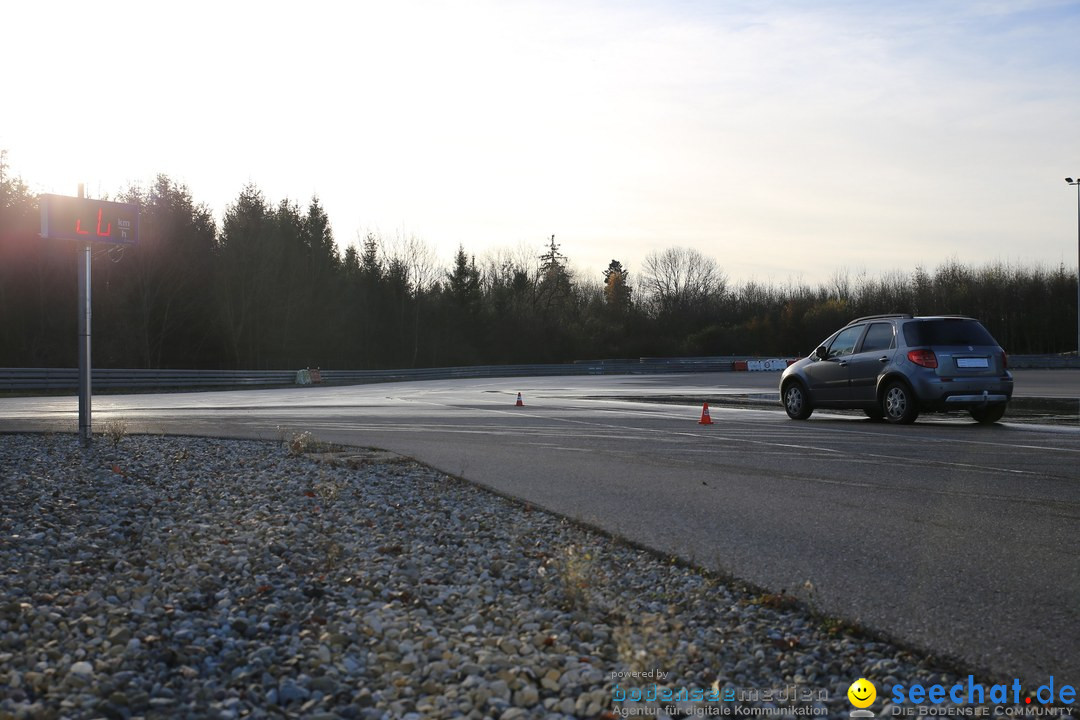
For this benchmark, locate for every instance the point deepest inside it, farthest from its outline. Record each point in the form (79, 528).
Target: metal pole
(1076, 182)
(85, 430)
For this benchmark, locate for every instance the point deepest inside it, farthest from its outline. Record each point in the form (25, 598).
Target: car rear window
(947, 332)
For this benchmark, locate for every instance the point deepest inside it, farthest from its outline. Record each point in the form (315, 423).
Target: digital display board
(73, 218)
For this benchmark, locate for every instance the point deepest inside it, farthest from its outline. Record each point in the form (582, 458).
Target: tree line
(269, 288)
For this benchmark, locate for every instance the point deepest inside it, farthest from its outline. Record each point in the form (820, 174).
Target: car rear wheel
(898, 404)
(796, 403)
(989, 414)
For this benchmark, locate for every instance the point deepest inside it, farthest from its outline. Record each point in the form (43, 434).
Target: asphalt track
(956, 538)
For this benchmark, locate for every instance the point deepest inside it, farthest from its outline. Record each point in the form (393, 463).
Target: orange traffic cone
(519, 403)
(706, 419)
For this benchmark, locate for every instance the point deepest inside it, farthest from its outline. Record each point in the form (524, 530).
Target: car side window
(878, 337)
(844, 343)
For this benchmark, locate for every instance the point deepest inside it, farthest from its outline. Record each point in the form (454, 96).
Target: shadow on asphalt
(1063, 412)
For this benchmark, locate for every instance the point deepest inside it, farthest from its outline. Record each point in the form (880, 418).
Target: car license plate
(972, 362)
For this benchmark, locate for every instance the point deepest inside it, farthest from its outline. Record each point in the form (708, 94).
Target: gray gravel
(185, 577)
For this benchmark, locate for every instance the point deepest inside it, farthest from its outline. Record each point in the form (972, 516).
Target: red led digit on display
(108, 229)
(108, 226)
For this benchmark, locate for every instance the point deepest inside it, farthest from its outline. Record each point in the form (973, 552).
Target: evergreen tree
(463, 281)
(165, 299)
(246, 265)
(370, 263)
(554, 286)
(617, 290)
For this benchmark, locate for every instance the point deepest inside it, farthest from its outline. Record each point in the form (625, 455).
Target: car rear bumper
(956, 394)
(976, 400)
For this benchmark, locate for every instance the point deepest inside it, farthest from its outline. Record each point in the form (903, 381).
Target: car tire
(796, 401)
(898, 404)
(988, 415)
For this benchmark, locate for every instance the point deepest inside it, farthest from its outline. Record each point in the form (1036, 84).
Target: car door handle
(883, 358)
(842, 363)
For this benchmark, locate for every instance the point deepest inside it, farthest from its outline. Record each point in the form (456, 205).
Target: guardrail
(38, 379)
(1044, 362)
(68, 378)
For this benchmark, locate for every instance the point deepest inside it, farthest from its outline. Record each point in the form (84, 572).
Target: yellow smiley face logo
(862, 693)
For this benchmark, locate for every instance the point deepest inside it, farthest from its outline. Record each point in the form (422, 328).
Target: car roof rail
(892, 316)
(945, 317)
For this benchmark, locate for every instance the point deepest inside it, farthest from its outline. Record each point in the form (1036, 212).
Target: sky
(789, 140)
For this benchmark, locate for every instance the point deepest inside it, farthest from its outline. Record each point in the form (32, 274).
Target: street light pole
(1077, 184)
(86, 435)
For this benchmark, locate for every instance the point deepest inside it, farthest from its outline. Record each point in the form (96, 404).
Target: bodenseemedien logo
(862, 694)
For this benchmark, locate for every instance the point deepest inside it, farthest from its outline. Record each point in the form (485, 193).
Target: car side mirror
(821, 353)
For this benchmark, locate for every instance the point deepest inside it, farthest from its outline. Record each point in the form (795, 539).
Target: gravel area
(163, 577)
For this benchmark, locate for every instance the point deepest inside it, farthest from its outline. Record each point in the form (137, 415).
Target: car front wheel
(796, 403)
(898, 404)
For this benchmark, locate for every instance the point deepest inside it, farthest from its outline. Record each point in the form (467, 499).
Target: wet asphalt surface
(952, 537)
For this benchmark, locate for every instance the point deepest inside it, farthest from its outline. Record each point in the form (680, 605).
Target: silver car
(895, 366)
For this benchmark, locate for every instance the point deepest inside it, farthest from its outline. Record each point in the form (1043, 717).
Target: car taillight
(925, 358)
(1004, 360)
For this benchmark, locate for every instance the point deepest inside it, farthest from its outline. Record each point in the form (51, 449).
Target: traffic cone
(519, 403)
(705, 418)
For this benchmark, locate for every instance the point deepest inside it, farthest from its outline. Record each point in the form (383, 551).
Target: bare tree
(682, 281)
(416, 260)
(841, 284)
